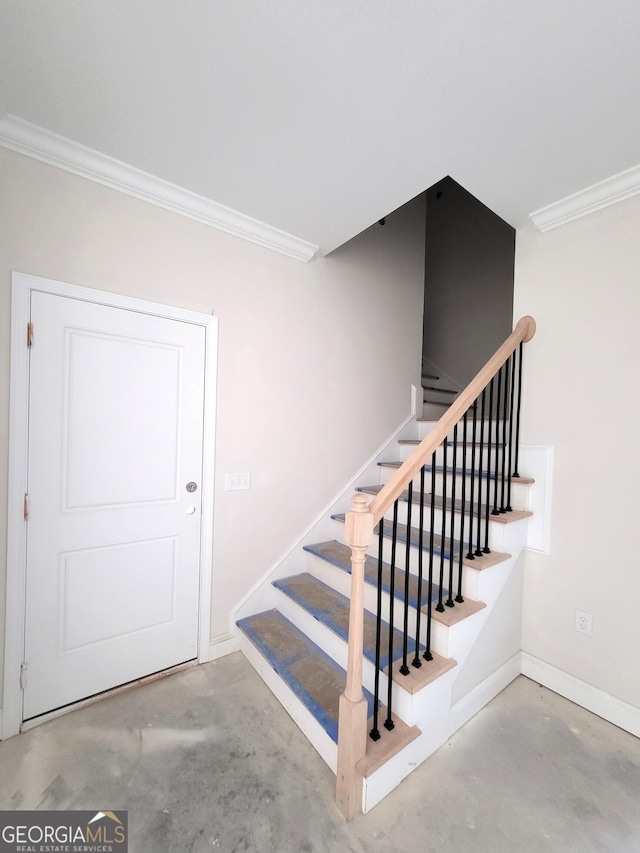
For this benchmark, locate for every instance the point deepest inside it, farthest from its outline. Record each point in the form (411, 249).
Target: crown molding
(614, 189)
(41, 144)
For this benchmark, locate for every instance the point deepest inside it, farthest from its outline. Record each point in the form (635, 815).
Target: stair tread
(428, 672)
(527, 481)
(390, 744)
(314, 677)
(339, 555)
(503, 518)
(479, 563)
(332, 609)
(462, 610)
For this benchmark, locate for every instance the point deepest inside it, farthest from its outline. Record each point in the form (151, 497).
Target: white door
(114, 475)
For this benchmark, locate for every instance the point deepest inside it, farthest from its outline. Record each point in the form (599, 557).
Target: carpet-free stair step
(527, 481)
(502, 518)
(332, 609)
(339, 555)
(391, 742)
(479, 563)
(314, 677)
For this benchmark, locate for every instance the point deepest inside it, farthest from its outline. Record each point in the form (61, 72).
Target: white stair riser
(331, 576)
(488, 456)
(496, 529)
(469, 581)
(425, 427)
(519, 491)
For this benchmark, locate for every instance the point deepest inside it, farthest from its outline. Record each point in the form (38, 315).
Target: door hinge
(26, 507)
(23, 675)
(29, 334)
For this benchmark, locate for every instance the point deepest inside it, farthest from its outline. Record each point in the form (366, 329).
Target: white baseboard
(598, 701)
(475, 700)
(223, 645)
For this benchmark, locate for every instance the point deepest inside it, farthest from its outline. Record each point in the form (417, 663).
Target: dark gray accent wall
(468, 291)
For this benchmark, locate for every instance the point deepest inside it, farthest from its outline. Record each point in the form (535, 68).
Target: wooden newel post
(352, 719)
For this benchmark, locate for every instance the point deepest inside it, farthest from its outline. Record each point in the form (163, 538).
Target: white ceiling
(318, 117)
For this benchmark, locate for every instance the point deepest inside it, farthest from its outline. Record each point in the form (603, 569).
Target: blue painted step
(459, 472)
(428, 499)
(339, 555)
(314, 677)
(503, 518)
(332, 609)
(415, 538)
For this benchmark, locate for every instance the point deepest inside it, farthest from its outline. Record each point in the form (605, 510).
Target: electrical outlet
(583, 623)
(238, 482)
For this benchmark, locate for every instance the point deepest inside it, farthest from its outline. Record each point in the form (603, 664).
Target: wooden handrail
(525, 329)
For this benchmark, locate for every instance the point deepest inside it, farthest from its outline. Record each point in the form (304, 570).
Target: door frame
(22, 286)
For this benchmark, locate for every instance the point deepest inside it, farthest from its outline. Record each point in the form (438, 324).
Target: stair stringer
(437, 710)
(261, 595)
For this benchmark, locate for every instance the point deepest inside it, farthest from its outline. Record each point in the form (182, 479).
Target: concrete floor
(208, 760)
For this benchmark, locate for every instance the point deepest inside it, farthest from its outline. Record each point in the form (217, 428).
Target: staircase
(439, 390)
(461, 602)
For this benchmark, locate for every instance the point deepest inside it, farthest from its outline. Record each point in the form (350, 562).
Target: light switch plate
(238, 482)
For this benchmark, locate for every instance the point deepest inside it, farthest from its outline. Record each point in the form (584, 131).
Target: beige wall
(315, 361)
(582, 372)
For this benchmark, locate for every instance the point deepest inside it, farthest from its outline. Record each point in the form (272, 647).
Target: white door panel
(115, 434)
(145, 407)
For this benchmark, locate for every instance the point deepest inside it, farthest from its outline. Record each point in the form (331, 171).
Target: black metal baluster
(427, 653)
(404, 669)
(388, 723)
(416, 657)
(374, 734)
(443, 529)
(478, 551)
(515, 472)
(495, 510)
(470, 554)
(449, 602)
(463, 507)
(486, 549)
(511, 400)
(505, 409)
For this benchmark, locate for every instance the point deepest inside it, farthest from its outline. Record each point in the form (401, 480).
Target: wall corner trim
(41, 144)
(611, 190)
(599, 702)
